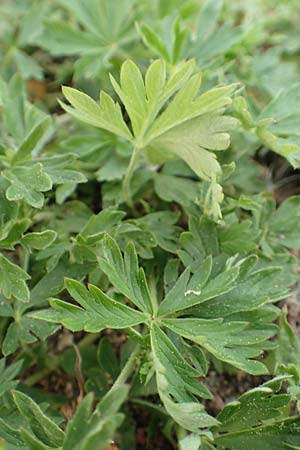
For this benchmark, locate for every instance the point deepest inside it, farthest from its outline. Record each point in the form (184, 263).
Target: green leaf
(162, 226)
(101, 223)
(237, 237)
(107, 115)
(107, 358)
(112, 401)
(76, 427)
(258, 288)
(197, 136)
(34, 140)
(276, 433)
(180, 376)
(284, 225)
(177, 189)
(255, 407)
(42, 427)
(58, 169)
(185, 107)
(8, 374)
(125, 274)
(39, 240)
(13, 233)
(287, 350)
(177, 379)
(13, 280)
(198, 289)
(96, 33)
(154, 42)
(232, 342)
(25, 330)
(97, 311)
(133, 95)
(286, 146)
(196, 121)
(28, 183)
(33, 442)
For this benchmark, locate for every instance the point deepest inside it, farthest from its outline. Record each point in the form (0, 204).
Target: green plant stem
(128, 368)
(128, 176)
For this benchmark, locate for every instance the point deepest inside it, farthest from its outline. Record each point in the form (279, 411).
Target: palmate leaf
(197, 137)
(23, 329)
(211, 40)
(224, 307)
(158, 128)
(97, 311)
(26, 131)
(96, 35)
(125, 274)
(232, 342)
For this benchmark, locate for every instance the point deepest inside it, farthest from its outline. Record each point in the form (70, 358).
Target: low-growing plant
(148, 264)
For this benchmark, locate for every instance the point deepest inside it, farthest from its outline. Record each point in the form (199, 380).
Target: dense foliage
(149, 235)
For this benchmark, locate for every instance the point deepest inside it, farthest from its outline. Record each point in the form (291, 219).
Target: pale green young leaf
(106, 115)
(197, 136)
(155, 80)
(13, 280)
(186, 106)
(132, 94)
(189, 442)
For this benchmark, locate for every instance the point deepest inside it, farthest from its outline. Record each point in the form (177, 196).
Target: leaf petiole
(127, 179)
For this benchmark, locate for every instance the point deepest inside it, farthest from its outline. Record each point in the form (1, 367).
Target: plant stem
(128, 176)
(128, 368)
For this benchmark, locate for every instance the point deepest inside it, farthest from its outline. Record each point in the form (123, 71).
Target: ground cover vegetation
(149, 225)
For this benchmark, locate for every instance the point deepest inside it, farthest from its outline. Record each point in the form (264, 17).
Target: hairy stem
(128, 176)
